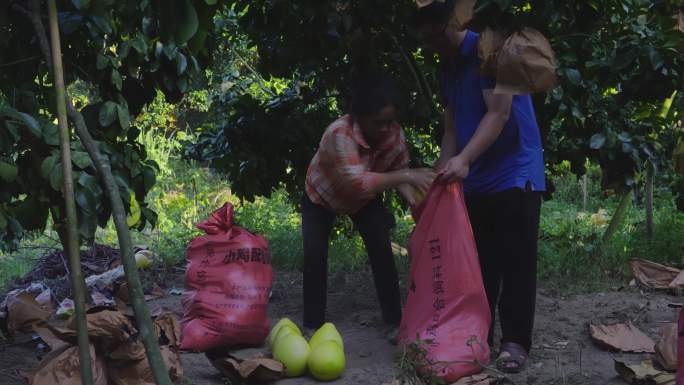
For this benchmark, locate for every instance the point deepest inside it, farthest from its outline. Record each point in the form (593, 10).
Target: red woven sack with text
(446, 310)
(228, 281)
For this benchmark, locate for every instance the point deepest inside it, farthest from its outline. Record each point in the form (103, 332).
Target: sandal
(512, 358)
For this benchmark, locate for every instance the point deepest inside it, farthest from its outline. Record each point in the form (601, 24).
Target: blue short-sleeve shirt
(516, 158)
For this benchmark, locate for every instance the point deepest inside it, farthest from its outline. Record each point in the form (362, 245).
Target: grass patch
(187, 193)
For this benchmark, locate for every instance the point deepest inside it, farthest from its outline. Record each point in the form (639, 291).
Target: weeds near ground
(416, 367)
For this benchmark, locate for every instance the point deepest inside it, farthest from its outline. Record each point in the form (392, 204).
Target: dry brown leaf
(229, 366)
(653, 275)
(622, 337)
(643, 373)
(23, 312)
(261, 370)
(62, 367)
(666, 348)
(257, 368)
(678, 282)
(140, 373)
(477, 379)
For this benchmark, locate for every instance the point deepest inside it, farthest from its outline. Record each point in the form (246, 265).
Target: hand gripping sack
(446, 310)
(228, 281)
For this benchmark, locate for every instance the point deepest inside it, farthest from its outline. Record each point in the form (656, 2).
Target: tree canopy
(619, 63)
(116, 55)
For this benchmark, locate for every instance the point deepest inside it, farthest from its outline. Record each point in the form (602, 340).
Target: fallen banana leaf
(623, 337)
(666, 348)
(643, 373)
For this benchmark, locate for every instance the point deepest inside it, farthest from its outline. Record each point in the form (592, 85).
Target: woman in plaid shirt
(360, 155)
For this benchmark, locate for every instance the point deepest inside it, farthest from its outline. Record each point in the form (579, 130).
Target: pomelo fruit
(292, 351)
(326, 361)
(285, 330)
(327, 332)
(144, 259)
(276, 328)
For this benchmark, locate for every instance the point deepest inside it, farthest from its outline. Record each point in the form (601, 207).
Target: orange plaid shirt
(345, 168)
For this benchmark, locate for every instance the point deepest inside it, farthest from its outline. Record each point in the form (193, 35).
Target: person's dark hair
(371, 93)
(437, 13)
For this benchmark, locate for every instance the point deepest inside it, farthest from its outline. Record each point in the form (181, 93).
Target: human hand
(422, 178)
(411, 194)
(457, 168)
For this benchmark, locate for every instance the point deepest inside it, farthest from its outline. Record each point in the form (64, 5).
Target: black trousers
(506, 227)
(374, 223)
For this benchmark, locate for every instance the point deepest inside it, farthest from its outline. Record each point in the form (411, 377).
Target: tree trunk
(135, 289)
(142, 313)
(585, 192)
(650, 176)
(615, 221)
(72, 244)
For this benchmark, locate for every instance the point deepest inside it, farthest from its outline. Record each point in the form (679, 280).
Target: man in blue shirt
(493, 145)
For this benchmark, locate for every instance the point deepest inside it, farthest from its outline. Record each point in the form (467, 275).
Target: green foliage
(265, 132)
(618, 62)
(570, 237)
(116, 56)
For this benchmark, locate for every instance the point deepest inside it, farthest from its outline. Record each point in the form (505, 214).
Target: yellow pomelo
(144, 259)
(327, 332)
(293, 351)
(274, 331)
(326, 361)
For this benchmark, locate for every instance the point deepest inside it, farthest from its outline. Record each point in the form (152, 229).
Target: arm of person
(498, 112)
(350, 172)
(449, 147)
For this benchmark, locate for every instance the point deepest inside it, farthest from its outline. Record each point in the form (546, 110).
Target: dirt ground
(562, 351)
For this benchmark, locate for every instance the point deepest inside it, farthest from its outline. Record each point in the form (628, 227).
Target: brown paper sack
(140, 373)
(166, 327)
(526, 64)
(108, 327)
(666, 348)
(24, 312)
(62, 367)
(488, 48)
